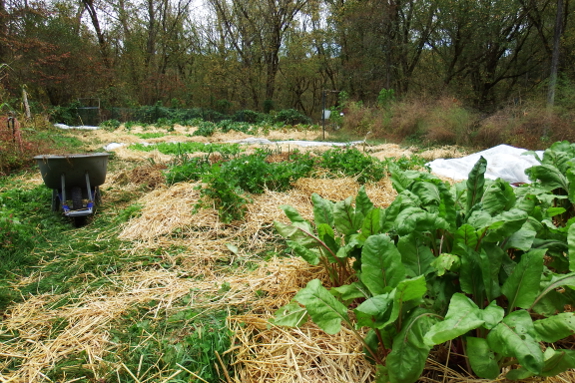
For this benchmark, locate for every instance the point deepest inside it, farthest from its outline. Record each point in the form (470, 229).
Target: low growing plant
(479, 266)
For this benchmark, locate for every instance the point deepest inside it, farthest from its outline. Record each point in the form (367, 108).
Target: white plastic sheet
(81, 127)
(503, 161)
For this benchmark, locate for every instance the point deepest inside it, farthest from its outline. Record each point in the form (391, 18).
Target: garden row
(229, 175)
(480, 266)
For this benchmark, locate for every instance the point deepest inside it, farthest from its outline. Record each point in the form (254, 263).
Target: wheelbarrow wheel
(77, 198)
(55, 200)
(79, 221)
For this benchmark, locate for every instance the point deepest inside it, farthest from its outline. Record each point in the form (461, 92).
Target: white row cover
(503, 161)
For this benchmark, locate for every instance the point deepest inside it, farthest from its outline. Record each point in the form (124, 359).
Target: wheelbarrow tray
(74, 167)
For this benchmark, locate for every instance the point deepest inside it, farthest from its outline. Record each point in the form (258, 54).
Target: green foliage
(205, 128)
(291, 117)
(181, 148)
(477, 264)
(226, 184)
(351, 162)
(110, 124)
(65, 114)
(385, 97)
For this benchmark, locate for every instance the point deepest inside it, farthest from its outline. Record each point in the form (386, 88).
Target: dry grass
(261, 352)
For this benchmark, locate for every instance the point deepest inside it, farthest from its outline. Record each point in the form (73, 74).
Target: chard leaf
(465, 237)
(516, 337)
(505, 224)
(346, 220)
(556, 327)
(290, 315)
(375, 311)
(350, 292)
(470, 273)
(416, 258)
(362, 202)
(492, 315)
(311, 256)
(407, 358)
(381, 267)
(571, 244)
(419, 221)
(326, 311)
(475, 184)
(522, 239)
(549, 288)
(490, 260)
(446, 262)
(292, 214)
(522, 286)
(462, 316)
(549, 176)
(407, 294)
(556, 362)
(428, 193)
(322, 210)
(371, 223)
(498, 197)
(405, 200)
(482, 358)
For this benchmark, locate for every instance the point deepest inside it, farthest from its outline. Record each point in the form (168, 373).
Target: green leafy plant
(110, 124)
(470, 265)
(351, 162)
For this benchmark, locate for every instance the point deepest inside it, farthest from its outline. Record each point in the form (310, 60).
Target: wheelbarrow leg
(55, 200)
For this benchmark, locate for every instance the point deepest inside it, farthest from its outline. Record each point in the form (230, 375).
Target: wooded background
(277, 54)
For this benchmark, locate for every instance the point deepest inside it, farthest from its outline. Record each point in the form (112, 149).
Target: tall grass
(445, 121)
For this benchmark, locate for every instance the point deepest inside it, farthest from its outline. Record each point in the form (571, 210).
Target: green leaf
(470, 274)
(350, 292)
(292, 214)
(322, 210)
(371, 223)
(571, 244)
(490, 260)
(549, 176)
(557, 361)
(516, 337)
(326, 311)
(522, 286)
(492, 315)
(462, 316)
(346, 220)
(498, 197)
(309, 255)
(465, 237)
(291, 315)
(375, 311)
(475, 184)
(556, 282)
(362, 202)
(381, 267)
(482, 358)
(556, 327)
(407, 293)
(416, 257)
(522, 239)
(505, 224)
(446, 262)
(407, 358)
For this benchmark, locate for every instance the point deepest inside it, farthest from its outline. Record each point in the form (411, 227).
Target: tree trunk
(555, 57)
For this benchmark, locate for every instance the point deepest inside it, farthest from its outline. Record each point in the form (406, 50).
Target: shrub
(291, 117)
(110, 124)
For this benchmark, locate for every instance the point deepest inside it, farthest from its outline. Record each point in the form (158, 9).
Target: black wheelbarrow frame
(76, 177)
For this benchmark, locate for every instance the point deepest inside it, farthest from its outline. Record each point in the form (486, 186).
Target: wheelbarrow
(74, 177)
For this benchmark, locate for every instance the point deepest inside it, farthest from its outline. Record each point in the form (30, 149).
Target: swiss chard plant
(480, 267)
